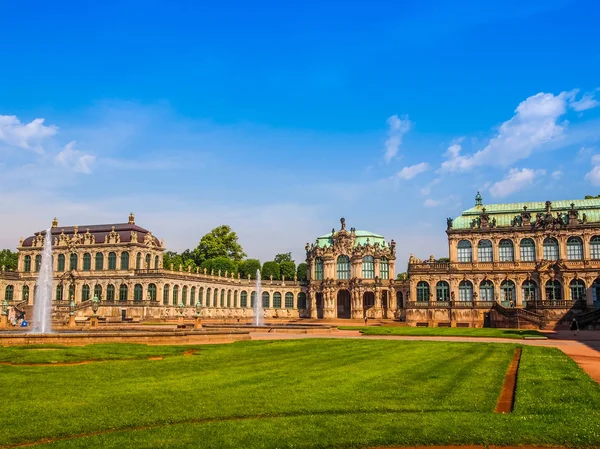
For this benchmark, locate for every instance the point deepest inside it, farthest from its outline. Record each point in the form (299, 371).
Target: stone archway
(343, 304)
(319, 304)
(368, 302)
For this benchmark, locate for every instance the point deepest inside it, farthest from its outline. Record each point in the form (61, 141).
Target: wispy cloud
(397, 127)
(413, 170)
(431, 203)
(514, 181)
(28, 136)
(74, 159)
(586, 102)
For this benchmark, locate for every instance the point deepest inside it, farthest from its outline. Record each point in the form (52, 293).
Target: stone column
(566, 288)
(377, 308)
(519, 292)
(312, 301)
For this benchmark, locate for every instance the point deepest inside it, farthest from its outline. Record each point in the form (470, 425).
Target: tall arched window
(27, 264)
(529, 291)
(98, 291)
(577, 287)
(59, 292)
(289, 300)
(138, 261)
(184, 292)
(152, 292)
(112, 261)
(124, 260)
(38, 262)
(228, 298)
(302, 300)
(368, 267)
(507, 291)
(465, 291)
(222, 298)
(595, 247)
(175, 295)
(25, 293)
(384, 268)
(166, 295)
(550, 248)
(252, 299)
(85, 293)
(156, 259)
(277, 300)
(596, 290)
(235, 299)
(61, 263)
(71, 292)
(201, 296)
(87, 262)
(527, 250)
(465, 251)
(148, 260)
(99, 261)
(73, 262)
(506, 251)
(553, 290)
(208, 292)
(442, 290)
(399, 300)
(486, 291)
(343, 267)
(138, 293)
(123, 292)
(422, 291)
(319, 269)
(110, 293)
(266, 300)
(244, 299)
(574, 248)
(193, 296)
(484, 251)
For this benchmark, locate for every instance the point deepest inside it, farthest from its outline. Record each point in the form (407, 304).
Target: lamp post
(198, 323)
(180, 309)
(95, 307)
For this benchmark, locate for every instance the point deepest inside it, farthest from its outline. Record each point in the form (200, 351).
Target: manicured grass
(302, 393)
(444, 331)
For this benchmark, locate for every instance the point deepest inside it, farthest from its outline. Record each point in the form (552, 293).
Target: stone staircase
(520, 318)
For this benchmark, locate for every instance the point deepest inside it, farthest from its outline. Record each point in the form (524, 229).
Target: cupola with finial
(55, 223)
(478, 200)
(131, 218)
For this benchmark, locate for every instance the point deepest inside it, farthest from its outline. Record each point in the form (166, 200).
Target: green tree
(402, 276)
(591, 197)
(302, 272)
(269, 269)
(219, 263)
(8, 259)
(287, 269)
(249, 267)
(285, 257)
(220, 242)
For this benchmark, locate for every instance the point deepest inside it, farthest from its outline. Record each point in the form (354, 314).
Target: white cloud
(587, 102)
(515, 181)
(75, 159)
(427, 189)
(593, 176)
(431, 203)
(534, 124)
(397, 127)
(557, 174)
(413, 170)
(27, 136)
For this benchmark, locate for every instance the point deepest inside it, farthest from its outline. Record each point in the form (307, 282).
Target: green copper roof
(361, 239)
(505, 213)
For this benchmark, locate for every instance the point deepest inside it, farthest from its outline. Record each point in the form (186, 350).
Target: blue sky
(278, 118)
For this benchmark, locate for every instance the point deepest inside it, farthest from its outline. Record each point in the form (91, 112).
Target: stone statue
(449, 222)
(343, 221)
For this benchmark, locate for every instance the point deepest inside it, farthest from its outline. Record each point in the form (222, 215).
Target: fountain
(42, 319)
(258, 312)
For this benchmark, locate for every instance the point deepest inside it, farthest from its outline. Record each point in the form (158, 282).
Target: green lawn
(444, 331)
(295, 394)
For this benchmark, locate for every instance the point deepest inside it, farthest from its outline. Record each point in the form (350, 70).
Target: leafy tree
(220, 242)
(287, 269)
(269, 269)
(8, 259)
(249, 267)
(219, 263)
(402, 276)
(302, 272)
(443, 260)
(285, 257)
(591, 197)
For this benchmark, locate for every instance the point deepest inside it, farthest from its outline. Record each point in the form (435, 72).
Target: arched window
(156, 262)
(222, 298)
(184, 292)
(166, 295)
(289, 300)
(550, 249)
(98, 291)
(486, 291)
(343, 267)
(110, 293)
(193, 296)
(506, 250)
(112, 261)
(148, 260)
(61, 263)
(138, 293)
(25, 293)
(277, 300)
(484, 251)
(201, 296)
(228, 298)
(208, 291)
(465, 291)
(252, 299)
(124, 260)
(368, 268)
(265, 300)
(38, 262)
(152, 292)
(99, 261)
(553, 290)
(302, 300)
(507, 292)
(422, 291)
(138, 261)
(574, 248)
(244, 299)
(595, 247)
(175, 295)
(59, 292)
(71, 292)
(399, 300)
(529, 291)
(27, 264)
(527, 250)
(577, 287)
(85, 293)
(442, 291)
(87, 262)
(123, 292)
(73, 262)
(465, 251)
(319, 269)
(596, 290)
(384, 268)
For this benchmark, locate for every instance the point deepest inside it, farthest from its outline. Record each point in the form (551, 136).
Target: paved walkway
(584, 348)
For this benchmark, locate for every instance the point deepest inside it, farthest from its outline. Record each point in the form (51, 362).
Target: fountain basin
(291, 328)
